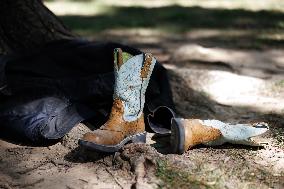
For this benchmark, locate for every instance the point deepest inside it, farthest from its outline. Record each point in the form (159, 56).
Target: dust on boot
(186, 133)
(126, 120)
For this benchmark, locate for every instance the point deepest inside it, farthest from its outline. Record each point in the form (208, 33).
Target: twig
(114, 178)
(83, 180)
(69, 187)
(139, 171)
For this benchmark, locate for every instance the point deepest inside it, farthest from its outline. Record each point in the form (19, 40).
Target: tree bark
(28, 24)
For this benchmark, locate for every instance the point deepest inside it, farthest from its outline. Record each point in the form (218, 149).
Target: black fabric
(50, 90)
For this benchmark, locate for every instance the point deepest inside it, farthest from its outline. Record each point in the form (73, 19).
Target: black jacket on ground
(46, 92)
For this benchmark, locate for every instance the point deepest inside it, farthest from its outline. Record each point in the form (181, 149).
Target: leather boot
(186, 133)
(126, 120)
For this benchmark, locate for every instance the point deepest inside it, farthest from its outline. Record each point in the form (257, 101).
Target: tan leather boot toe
(104, 137)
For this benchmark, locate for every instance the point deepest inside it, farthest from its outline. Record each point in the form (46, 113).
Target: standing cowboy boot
(126, 120)
(186, 133)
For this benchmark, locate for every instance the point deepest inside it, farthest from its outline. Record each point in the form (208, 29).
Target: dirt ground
(211, 79)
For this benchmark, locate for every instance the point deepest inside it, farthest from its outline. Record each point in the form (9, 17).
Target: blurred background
(254, 24)
(225, 57)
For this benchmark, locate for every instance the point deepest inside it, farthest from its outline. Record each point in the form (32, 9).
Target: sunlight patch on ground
(249, 62)
(76, 7)
(209, 33)
(277, 36)
(233, 77)
(230, 88)
(135, 32)
(94, 7)
(139, 35)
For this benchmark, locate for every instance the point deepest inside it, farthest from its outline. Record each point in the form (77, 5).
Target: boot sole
(177, 136)
(138, 138)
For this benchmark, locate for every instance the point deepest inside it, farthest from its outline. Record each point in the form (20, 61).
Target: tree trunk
(28, 24)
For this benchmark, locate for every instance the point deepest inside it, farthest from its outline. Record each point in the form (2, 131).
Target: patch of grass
(280, 83)
(174, 178)
(277, 87)
(205, 94)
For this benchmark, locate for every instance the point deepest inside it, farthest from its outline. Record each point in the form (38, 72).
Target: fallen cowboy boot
(186, 133)
(126, 120)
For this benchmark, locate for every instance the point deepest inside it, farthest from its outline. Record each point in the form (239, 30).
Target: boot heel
(139, 138)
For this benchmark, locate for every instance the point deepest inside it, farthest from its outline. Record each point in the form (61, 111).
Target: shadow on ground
(261, 27)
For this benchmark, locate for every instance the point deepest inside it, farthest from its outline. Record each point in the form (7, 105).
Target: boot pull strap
(118, 59)
(146, 66)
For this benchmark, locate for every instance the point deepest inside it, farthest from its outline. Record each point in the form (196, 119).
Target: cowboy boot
(186, 133)
(126, 120)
